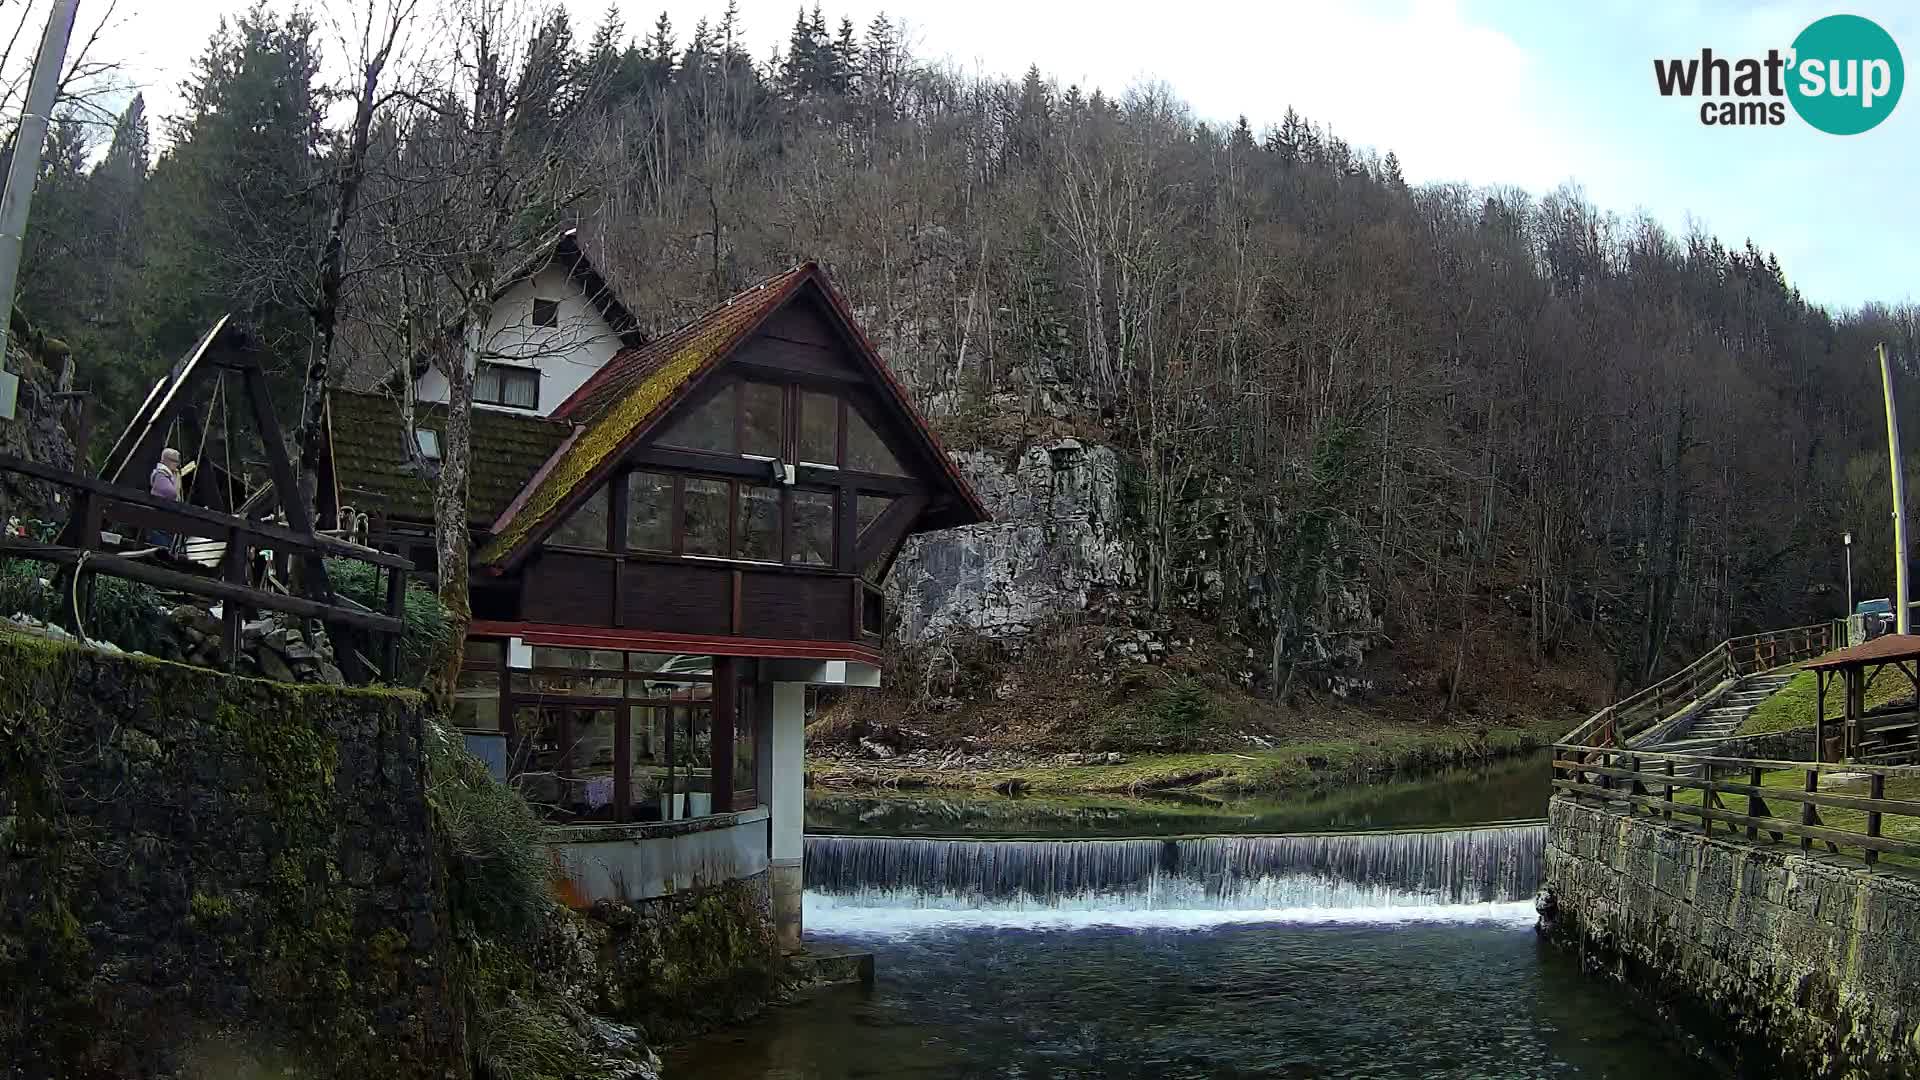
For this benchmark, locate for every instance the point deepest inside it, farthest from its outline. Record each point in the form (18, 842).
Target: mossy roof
(376, 472)
(625, 396)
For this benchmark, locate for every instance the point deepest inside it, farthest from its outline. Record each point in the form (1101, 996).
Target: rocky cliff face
(1056, 546)
(1059, 550)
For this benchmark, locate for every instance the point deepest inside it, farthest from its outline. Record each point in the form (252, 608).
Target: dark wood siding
(559, 587)
(802, 322)
(677, 598)
(804, 606)
(801, 357)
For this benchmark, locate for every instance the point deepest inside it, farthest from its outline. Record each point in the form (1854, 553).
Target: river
(1396, 952)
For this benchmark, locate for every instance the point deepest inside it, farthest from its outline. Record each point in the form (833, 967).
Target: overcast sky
(1484, 91)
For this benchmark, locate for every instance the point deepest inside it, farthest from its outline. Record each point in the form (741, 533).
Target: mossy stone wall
(1794, 965)
(202, 867)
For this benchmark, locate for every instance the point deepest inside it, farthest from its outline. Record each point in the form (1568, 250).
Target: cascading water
(1464, 873)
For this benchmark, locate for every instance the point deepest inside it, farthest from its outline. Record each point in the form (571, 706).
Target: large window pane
(813, 528)
(743, 746)
(649, 512)
(762, 411)
(476, 701)
(692, 778)
(648, 736)
(865, 450)
(590, 784)
(586, 527)
(703, 517)
(759, 523)
(819, 428)
(708, 427)
(552, 746)
(670, 663)
(599, 673)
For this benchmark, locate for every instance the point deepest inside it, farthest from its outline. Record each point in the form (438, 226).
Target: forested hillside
(1515, 427)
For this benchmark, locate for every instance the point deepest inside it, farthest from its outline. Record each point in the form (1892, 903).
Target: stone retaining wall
(201, 873)
(1796, 965)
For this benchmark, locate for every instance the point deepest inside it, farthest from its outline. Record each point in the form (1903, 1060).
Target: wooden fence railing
(1665, 785)
(97, 503)
(1731, 659)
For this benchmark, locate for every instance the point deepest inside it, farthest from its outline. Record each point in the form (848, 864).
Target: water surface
(1392, 954)
(1512, 789)
(1470, 997)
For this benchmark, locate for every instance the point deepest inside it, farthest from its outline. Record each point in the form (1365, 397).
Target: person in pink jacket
(165, 484)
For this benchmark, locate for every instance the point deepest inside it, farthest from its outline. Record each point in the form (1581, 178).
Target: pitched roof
(738, 313)
(634, 389)
(1885, 649)
(564, 251)
(376, 472)
(628, 391)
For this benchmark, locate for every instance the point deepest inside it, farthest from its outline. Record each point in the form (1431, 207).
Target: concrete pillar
(786, 803)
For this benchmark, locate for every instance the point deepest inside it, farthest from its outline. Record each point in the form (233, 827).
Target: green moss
(210, 910)
(697, 960)
(264, 748)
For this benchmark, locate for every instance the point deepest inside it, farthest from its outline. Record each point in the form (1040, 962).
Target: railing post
(1708, 799)
(1753, 803)
(1667, 814)
(1807, 814)
(233, 571)
(1876, 789)
(396, 607)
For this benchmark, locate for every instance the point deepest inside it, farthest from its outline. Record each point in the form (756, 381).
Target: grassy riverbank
(1793, 705)
(1296, 767)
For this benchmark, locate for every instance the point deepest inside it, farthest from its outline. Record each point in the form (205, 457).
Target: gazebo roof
(1886, 649)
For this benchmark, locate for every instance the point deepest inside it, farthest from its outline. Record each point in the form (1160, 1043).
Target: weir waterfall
(1457, 873)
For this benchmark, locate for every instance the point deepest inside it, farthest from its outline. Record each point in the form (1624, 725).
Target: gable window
(762, 416)
(704, 517)
(708, 427)
(819, 428)
(546, 312)
(586, 527)
(866, 452)
(813, 528)
(759, 523)
(649, 512)
(506, 384)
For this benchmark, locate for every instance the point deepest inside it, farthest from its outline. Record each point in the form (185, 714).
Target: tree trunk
(451, 537)
(351, 174)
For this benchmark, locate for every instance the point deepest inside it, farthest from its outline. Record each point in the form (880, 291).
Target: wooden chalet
(667, 550)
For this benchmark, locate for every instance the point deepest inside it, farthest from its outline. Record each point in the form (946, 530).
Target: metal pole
(27, 143)
(1900, 580)
(1849, 580)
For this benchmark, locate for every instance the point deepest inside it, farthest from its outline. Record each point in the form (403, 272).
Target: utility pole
(27, 143)
(1900, 580)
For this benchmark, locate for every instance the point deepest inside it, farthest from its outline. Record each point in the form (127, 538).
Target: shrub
(127, 613)
(498, 877)
(427, 634)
